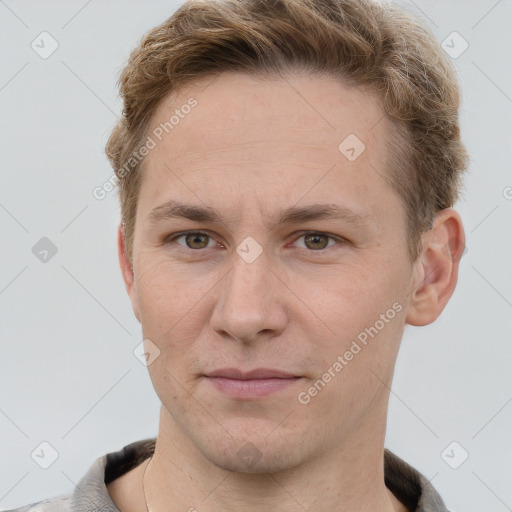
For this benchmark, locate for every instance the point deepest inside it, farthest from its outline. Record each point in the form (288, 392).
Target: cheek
(172, 316)
(357, 361)
(362, 314)
(165, 294)
(155, 290)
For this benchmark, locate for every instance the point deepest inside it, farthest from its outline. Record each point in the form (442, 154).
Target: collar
(91, 493)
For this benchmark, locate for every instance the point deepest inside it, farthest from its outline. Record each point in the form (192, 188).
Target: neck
(349, 477)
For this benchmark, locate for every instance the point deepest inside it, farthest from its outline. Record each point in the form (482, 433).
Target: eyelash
(301, 234)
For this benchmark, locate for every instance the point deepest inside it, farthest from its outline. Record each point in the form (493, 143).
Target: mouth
(256, 383)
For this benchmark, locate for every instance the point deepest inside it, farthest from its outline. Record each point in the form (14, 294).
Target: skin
(248, 149)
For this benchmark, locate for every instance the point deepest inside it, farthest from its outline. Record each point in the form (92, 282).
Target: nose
(251, 301)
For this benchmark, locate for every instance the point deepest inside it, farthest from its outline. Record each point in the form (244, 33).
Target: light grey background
(68, 373)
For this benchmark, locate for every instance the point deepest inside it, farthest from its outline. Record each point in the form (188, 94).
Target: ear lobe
(127, 271)
(443, 247)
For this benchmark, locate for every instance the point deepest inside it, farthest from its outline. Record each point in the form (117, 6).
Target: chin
(248, 452)
(254, 461)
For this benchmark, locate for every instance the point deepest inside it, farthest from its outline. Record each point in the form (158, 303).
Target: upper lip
(258, 373)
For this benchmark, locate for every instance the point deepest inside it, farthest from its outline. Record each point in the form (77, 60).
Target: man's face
(250, 149)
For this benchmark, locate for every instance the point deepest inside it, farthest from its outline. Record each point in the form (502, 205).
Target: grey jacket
(91, 494)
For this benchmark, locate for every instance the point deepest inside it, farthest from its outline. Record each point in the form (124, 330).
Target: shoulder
(60, 503)
(91, 493)
(410, 486)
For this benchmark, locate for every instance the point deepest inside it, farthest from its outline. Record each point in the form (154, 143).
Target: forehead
(268, 134)
(233, 105)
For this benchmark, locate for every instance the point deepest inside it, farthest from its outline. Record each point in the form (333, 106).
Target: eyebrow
(293, 214)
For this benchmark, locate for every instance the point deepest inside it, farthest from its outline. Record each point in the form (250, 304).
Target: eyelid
(297, 235)
(174, 236)
(339, 239)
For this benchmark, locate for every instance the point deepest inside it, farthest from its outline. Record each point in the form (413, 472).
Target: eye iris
(316, 236)
(194, 237)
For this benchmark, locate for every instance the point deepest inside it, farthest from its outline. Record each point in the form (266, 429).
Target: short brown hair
(375, 46)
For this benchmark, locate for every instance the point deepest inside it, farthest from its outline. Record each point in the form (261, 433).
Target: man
(287, 171)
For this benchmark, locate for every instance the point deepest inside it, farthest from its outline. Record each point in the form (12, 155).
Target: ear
(127, 272)
(437, 268)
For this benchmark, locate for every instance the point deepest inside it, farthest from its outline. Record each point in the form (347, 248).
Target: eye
(317, 241)
(194, 240)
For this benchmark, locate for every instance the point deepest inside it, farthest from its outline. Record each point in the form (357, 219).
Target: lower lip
(253, 388)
